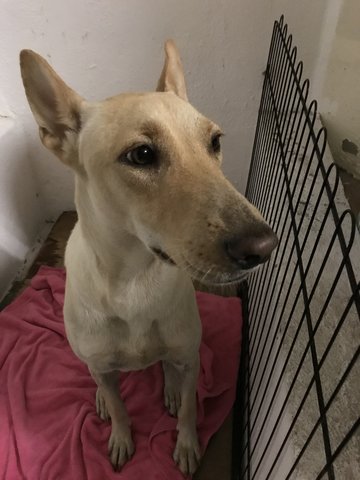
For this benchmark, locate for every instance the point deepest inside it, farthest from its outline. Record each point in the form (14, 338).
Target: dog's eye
(215, 143)
(141, 156)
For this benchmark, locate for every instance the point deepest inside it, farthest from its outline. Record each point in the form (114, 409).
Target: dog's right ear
(172, 77)
(55, 106)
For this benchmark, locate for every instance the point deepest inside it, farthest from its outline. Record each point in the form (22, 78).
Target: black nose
(251, 250)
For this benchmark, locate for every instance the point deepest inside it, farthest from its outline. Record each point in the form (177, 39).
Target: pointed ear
(55, 106)
(172, 76)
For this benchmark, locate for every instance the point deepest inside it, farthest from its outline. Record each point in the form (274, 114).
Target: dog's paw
(101, 408)
(187, 453)
(121, 447)
(172, 399)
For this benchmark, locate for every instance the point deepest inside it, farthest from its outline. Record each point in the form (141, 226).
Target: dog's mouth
(215, 278)
(221, 279)
(231, 281)
(163, 256)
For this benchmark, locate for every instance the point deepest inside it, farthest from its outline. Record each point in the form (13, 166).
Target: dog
(154, 212)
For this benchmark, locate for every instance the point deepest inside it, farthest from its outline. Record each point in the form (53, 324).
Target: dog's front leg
(120, 447)
(187, 451)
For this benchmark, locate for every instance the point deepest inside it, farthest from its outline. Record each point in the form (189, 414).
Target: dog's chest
(124, 346)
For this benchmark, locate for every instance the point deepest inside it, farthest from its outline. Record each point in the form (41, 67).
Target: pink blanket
(49, 428)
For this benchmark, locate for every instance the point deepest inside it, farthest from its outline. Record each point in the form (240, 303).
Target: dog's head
(150, 164)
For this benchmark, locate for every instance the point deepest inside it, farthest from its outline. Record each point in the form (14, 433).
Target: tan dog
(154, 209)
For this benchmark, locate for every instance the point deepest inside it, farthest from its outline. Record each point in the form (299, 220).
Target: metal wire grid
(304, 302)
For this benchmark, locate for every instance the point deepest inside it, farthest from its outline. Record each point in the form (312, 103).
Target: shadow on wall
(21, 215)
(9, 264)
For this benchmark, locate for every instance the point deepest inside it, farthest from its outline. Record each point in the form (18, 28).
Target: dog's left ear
(172, 76)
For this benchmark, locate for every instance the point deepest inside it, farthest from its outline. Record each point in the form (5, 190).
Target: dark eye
(215, 143)
(141, 156)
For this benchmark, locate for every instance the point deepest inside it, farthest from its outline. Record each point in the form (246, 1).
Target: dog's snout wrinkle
(248, 251)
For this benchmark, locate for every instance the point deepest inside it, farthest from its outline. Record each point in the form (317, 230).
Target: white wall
(340, 93)
(105, 47)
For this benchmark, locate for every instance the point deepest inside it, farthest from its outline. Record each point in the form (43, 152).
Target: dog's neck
(118, 254)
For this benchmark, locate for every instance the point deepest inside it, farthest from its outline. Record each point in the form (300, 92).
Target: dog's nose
(248, 251)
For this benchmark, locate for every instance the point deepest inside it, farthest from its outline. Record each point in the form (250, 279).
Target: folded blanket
(49, 428)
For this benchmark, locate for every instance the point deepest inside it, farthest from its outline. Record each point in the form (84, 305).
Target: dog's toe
(101, 408)
(121, 447)
(187, 454)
